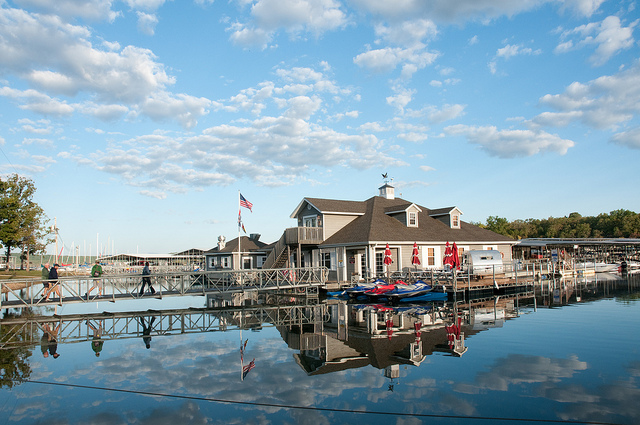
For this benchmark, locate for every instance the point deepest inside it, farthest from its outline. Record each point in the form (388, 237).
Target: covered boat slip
(581, 250)
(73, 289)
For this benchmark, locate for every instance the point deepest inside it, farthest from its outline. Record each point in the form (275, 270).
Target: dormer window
(455, 221)
(413, 219)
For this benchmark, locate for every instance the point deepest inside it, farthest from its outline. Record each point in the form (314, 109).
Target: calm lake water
(570, 354)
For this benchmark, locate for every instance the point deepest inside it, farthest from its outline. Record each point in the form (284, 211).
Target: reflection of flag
(245, 203)
(242, 347)
(246, 369)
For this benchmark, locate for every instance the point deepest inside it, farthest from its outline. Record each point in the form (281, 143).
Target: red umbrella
(387, 255)
(455, 257)
(448, 256)
(387, 259)
(415, 257)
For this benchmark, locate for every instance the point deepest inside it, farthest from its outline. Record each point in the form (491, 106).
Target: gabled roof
(331, 206)
(401, 208)
(442, 211)
(375, 225)
(247, 245)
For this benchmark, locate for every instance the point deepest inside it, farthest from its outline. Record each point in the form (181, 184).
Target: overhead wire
(320, 409)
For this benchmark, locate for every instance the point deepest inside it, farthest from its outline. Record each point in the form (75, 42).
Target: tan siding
(333, 223)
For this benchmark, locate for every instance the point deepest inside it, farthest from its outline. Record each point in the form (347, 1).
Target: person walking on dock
(146, 331)
(97, 342)
(53, 280)
(146, 280)
(96, 273)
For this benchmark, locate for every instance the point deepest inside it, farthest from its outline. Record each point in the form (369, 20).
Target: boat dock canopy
(559, 242)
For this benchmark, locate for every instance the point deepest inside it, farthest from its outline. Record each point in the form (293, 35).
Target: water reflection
(481, 358)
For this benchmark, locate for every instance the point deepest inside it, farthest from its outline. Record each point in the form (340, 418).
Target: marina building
(350, 237)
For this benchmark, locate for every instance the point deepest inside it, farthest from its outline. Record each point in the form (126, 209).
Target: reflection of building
(356, 336)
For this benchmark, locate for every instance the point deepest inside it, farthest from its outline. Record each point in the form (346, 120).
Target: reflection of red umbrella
(389, 324)
(448, 256)
(415, 257)
(454, 255)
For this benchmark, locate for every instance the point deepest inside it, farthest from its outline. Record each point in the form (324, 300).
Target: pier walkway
(74, 289)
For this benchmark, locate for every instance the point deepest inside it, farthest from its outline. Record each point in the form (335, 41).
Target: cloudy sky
(140, 120)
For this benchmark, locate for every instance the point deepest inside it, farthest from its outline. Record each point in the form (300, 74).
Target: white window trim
(409, 213)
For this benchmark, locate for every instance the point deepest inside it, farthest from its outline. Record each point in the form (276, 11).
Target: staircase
(279, 255)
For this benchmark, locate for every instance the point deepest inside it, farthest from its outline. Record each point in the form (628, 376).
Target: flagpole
(239, 224)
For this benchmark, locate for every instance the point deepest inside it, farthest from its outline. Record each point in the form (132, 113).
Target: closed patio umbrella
(415, 256)
(387, 258)
(454, 256)
(448, 256)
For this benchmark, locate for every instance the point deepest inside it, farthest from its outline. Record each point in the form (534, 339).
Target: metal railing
(26, 331)
(74, 289)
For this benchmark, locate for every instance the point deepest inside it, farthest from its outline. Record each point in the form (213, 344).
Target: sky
(140, 121)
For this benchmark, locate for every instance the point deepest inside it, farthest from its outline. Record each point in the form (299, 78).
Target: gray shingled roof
(375, 225)
(334, 205)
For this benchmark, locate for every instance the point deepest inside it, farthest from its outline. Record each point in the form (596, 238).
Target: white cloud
(446, 113)
(35, 101)
(401, 99)
(294, 16)
(426, 168)
(511, 50)
(388, 58)
(407, 33)
(446, 10)
(630, 138)
(65, 63)
(511, 143)
(605, 102)
(271, 149)
(583, 7)
(147, 23)
(609, 37)
(88, 9)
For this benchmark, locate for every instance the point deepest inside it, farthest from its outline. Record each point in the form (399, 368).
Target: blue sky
(140, 120)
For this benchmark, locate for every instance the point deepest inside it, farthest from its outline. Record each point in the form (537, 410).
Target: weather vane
(385, 177)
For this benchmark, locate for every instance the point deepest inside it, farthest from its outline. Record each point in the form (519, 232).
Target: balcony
(303, 235)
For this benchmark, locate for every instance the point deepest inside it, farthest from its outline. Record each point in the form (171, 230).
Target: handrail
(73, 289)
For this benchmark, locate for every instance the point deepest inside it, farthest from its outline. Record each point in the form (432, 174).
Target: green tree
(15, 366)
(22, 221)
(499, 225)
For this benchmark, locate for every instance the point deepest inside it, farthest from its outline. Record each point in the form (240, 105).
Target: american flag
(246, 369)
(245, 203)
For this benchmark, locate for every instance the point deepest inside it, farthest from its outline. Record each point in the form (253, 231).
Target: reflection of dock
(29, 293)
(26, 330)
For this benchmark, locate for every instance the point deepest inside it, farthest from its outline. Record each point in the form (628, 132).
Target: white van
(482, 263)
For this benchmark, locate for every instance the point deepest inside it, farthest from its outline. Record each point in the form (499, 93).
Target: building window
(413, 219)
(460, 256)
(379, 263)
(326, 260)
(224, 262)
(455, 221)
(431, 256)
(309, 221)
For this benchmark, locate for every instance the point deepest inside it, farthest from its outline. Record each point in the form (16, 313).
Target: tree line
(616, 224)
